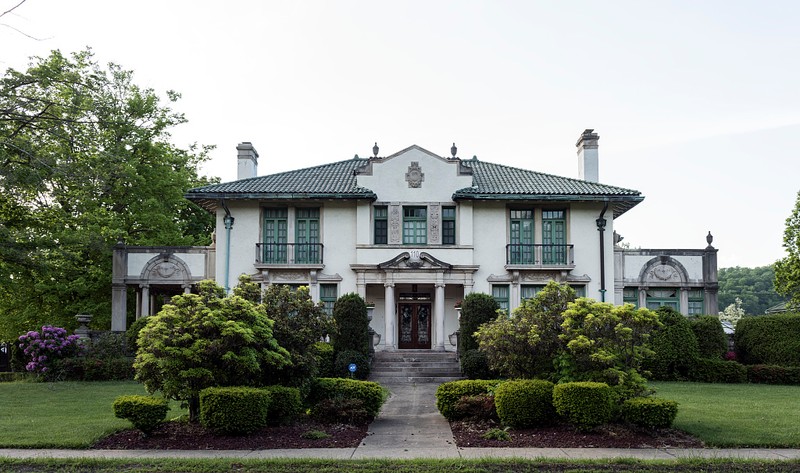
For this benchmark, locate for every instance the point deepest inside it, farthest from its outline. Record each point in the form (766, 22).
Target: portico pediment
(415, 260)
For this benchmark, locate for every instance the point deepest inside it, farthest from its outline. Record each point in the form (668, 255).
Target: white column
(138, 305)
(145, 300)
(438, 316)
(187, 289)
(683, 301)
(390, 317)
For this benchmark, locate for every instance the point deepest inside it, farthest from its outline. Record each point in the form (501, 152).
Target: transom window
(415, 225)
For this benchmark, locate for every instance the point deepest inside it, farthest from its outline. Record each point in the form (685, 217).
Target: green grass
(736, 415)
(65, 414)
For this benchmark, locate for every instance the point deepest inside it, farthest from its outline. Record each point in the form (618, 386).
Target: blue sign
(352, 367)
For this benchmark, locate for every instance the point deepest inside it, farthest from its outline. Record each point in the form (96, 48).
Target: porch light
(454, 337)
(376, 339)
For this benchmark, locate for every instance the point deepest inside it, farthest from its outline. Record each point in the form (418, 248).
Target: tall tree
(85, 161)
(754, 286)
(787, 270)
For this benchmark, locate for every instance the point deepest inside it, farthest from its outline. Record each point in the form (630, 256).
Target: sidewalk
(409, 426)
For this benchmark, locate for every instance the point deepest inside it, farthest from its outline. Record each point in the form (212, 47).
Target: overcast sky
(696, 103)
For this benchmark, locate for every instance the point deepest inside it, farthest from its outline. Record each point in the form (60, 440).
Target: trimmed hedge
(525, 403)
(342, 364)
(709, 370)
(234, 410)
(773, 374)
(649, 412)
(585, 404)
(711, 339)
(479, 407)
(144, 412)
(674, 346)
(285, 404)
(368, 392)
(325, 357)
(475, 365)
(768, 340)
(448, 394)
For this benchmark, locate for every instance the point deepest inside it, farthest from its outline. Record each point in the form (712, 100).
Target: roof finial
(375, 150)
(709, 238)
(453, 150)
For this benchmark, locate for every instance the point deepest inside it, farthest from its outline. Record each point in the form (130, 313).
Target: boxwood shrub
(649, 412)
(448, 394)
(711, 339)
(368, 392)
(285, 404)
(234, 410)
(475, 365)
(323, 351)
(144, 412)
(343, 360)
(769, 340)
(585, 404)
(773, 374)
(709, 370)
(525, 402)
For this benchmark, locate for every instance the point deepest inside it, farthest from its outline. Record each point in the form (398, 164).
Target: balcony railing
(288, 253)
(539, 255)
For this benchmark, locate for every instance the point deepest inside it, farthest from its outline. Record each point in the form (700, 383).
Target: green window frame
(448, 225)
(307, 249)
(274, 236)
(554, 237)
(500, 292)
(580, 290)
(381, 224)
(663, 297)
(529, 291)
(696, 302)
(415, 225)
(521, 228)
(328, 296)
(630, 295)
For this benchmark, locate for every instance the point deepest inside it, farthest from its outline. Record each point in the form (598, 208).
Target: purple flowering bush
(43, 349)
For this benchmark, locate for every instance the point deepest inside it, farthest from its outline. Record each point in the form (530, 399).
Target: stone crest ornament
(414, 176)
(167, 270)
(664, 272)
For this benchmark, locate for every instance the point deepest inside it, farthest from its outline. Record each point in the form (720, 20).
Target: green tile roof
(490, 182)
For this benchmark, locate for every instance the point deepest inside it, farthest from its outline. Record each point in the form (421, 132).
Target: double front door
(415, 325)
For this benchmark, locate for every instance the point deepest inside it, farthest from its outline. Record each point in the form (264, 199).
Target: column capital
(388, 284)
(440, 284)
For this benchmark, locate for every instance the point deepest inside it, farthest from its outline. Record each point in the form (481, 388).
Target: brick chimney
(248, 160)
(587, 156)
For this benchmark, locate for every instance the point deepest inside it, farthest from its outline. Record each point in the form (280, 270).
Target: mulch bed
(185, 436)
(470, 434)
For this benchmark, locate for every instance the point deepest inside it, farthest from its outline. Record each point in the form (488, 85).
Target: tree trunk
(194, 408)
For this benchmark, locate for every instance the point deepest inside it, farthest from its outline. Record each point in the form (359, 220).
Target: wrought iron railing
(289, 253)
(539, 254)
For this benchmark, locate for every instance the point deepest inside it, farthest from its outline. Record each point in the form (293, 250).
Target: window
(415, 225)
(327, 295)
(500, 294)
(521, 247)
(528, 291)
(696, 302)
(630, 295)
(448, 225)
(580, 291)
(307, 249)
(275, 230)
(554, 237)
(381, 229)
(659, 297)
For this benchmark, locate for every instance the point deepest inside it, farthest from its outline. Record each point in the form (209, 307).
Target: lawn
(736, 415)
(66, 414)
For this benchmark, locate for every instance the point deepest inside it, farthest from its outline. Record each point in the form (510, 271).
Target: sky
(697, 104)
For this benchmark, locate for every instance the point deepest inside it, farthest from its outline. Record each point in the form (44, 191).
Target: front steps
(415, 366)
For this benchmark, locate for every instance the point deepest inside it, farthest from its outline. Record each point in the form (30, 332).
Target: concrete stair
(414, 366)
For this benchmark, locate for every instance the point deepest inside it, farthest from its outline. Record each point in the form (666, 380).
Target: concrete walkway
(410, 426)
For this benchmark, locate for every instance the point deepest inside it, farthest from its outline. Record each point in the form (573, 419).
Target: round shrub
(476, 309)
(345, 358)
(285, 404)
(352, 324)
(649, 412)
(448, 394)
(525, 403)
(769, 340)
(325, 357)
(234, 410)
(368, 392)
(711, 339)
(475, 365)
(584, 404)
(144, 412)
(674, 346)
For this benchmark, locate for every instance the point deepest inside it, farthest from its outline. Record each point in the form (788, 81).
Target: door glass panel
(423, 316)
(406, 321)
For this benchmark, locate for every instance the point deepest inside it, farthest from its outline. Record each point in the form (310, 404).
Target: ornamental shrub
(448, 394)
(525, 403)
(132, 334)
(343, 361)
(479, 407)
(711, 339)
(709, 370)
(769, 340)
(144, 412)
(341, 410)
(475, 365)
(324, 353)
(285, 404)
(585, 405)
(42, 349)
(234, 410)
(649, 412)
(352, 325)
(674, 347)
(368, 392)
(773, 374)
(477, 309)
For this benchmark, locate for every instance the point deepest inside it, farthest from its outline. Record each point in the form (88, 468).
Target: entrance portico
(417, 293)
